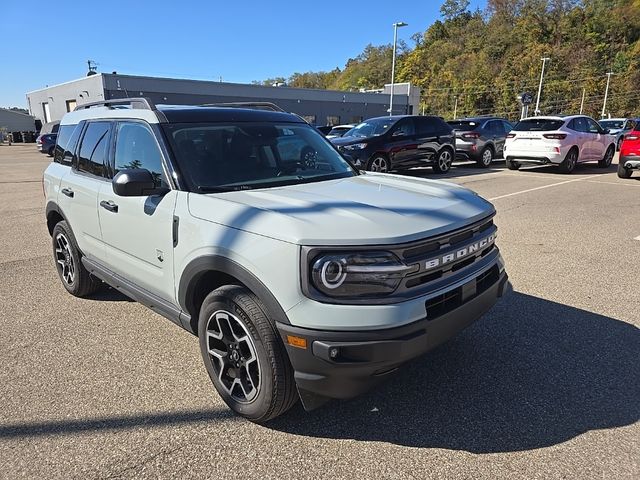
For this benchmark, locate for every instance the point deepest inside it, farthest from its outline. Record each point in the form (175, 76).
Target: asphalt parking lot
(547, 385)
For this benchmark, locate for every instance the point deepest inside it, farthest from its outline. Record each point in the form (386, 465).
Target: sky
(48, 43)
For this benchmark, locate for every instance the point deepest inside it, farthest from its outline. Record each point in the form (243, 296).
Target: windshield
(215, 157)
(370, 128)
(463, 125)
(538, 125)
(612, 123)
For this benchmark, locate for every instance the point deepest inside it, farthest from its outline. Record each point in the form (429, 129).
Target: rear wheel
(75, 278)
(623, 172)
(244, 356)
(378, 163)
(486, 157)
(512, 165)
(443, 161)
(608, 157)
(569, 162)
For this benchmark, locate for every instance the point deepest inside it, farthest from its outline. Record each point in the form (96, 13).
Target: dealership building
(318, 107)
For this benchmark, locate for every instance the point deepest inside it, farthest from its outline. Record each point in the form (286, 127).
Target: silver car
(618, 127)
(480, 139)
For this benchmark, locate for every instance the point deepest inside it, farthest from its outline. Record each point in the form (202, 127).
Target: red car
(630, 152)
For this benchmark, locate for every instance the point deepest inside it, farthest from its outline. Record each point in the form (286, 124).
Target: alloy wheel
(608, 157)
(379, 164)
(233, 356)
(487, 157)
(64, 259)
(444, 160)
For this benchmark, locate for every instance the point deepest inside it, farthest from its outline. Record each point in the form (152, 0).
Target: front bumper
(630, 161)
(344, 364)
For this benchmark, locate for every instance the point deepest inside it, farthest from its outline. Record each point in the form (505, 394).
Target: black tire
(486, 157)
(623, 172)
(619, 144)
(378, 163)
(443, 161)
(512, 165)
(240, 309)
(608, 157)
(569, 162)
(50, 152)
(74, 277)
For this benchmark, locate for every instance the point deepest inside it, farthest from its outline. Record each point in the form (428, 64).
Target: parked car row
(383, 144)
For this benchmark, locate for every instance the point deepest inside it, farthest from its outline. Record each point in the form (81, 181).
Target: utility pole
(544, 61)
(606, 94)
(584, 90)
(393, 61)
(455, 107)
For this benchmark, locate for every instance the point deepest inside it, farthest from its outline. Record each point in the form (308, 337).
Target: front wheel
(608, 158)
(619, 144)
(443, 161)
(379, 163)
(244, 356)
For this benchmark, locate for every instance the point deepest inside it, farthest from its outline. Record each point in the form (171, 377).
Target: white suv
(302, 277)
(561, 141)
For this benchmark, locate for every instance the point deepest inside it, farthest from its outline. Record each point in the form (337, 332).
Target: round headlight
(332, 273)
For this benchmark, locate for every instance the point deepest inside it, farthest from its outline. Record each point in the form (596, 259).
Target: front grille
(445, 303)
(439, 243)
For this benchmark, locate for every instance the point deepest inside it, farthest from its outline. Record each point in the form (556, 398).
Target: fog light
(334, 352)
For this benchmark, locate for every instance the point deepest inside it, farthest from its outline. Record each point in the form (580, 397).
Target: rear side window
(464, 125)
(136, 147)
(507, 126)
(66, 143)
(538, 125)
(94, 149)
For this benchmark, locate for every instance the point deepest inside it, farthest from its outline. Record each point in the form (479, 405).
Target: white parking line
(614, 183)
(538, 188)
(637, 238)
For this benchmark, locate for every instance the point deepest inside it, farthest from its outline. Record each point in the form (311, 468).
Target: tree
(453, 9)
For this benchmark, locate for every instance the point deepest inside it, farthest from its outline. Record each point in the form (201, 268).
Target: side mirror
(606, 131)
(136, 182)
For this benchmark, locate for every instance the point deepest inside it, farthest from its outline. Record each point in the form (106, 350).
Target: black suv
(480, 139)
(397, 142)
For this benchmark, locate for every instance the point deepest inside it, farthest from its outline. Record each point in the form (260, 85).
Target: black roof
(198, 114)
(477, 119)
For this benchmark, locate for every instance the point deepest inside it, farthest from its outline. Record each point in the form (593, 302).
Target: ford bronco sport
(301, 276)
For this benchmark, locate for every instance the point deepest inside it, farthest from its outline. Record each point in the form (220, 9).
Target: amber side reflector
(297, 341)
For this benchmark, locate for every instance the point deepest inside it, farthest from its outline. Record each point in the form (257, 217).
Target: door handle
(109, 205)
(68, 192)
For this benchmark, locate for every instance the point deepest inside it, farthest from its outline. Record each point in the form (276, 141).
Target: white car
(561, 141)
(338, 131)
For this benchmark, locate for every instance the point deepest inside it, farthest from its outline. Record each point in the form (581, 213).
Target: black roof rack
(253, 105)
(138, 102)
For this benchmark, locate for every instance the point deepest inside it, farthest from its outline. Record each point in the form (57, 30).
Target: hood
(367, 209)
(340, 141)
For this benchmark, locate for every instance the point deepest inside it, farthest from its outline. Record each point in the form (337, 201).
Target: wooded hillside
(485, 58)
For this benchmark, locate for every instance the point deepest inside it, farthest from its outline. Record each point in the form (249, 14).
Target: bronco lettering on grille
(460, 253)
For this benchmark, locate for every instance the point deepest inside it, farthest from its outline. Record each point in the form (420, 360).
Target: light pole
(455, 107)
(393, 61)
(606, 94)
(584, 90)
(537, 110)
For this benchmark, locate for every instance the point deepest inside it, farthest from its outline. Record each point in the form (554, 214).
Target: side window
(94, 148)
(592, 126)
(66, 143)
(136, 147)
(507, 126)
(405, 126)
(579, 125)
(494, 127)
(426, 126)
